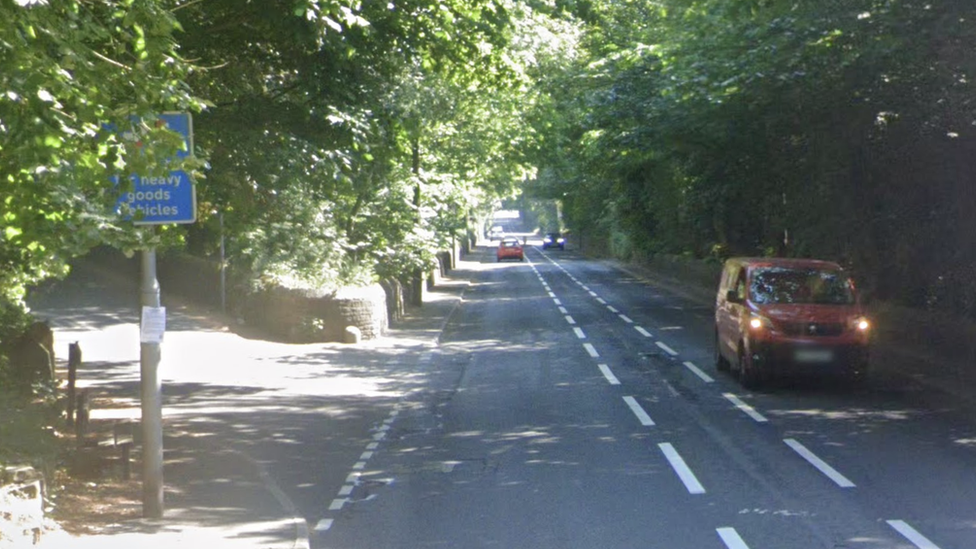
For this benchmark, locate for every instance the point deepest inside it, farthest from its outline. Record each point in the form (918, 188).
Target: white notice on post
(153, 325)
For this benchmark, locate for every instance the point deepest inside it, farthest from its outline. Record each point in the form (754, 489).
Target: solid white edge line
(666, 349)
(912, 534)
(731, 538)
(612, 379)
(642, 331)
(579, 333)
(626, 319)
(639, 411)
(698, 372)
(681, 468)
(832, 474)
(748, 410)
(591, 350)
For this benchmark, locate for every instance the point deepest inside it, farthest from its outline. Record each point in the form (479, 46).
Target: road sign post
(156, 200)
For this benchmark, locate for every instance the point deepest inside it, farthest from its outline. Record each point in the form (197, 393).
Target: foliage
(67, 70)
(833, 129)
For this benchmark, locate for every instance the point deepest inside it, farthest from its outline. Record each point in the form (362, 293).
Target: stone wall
(313, 315)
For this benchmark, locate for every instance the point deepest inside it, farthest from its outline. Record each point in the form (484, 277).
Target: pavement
(217, 493)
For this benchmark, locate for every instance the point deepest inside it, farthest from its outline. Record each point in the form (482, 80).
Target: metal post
(223, 269)
(152, 408)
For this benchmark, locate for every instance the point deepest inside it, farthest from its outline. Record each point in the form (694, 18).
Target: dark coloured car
(553, 240)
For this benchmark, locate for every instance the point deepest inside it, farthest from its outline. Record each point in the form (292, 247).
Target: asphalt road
(576, 406)
(564, 404)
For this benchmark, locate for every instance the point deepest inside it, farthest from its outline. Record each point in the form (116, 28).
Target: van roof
(784, 262)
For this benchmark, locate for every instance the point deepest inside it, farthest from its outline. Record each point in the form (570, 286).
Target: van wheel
(748, 376)
(721, 364)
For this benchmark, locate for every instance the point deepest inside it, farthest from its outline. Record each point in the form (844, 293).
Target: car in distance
(776, 316)
(510, 248)
(553, 240)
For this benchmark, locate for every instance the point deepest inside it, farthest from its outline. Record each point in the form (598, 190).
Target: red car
(510, 248)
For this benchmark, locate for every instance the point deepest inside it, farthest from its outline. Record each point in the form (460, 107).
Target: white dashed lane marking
(821, 465)
(912, 534)
(638, 411)
(681, 468)
(748, 410)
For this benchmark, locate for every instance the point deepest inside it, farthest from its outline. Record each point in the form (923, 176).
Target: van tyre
(749, 377)
(721, 364)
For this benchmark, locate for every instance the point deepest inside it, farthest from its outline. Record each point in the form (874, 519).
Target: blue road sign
(165, 199)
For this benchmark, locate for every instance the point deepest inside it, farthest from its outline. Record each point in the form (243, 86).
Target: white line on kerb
(681, 468)
(579, 333)
(832, 474)
(912, 534)
(638, 411)
(731, 538)
(698, 372)
(626, 319)
(591, 350)
(749, 410)
(642, 331)
(666, 349)
(570, 319)
(608, 374)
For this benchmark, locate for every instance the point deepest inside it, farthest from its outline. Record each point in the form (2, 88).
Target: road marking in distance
(585, 287)
(346, 489)
(612, 309)
(323, 525)
(912, 534)
(591, 350)
(749, 410)
(638, 411)
(681, 468)
(601, 301)
(570, 319)
(666, 349)
(608, 374)
(556, 301)
(551, 294)
(579, 333)
(670, 328)
(642, 331)
(593, 294)
(698, 372)
(731, 538)
(626, 319)
(337, 504)
(832, 474)
(563, 310)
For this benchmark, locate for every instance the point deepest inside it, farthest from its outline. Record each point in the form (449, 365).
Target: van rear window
(790, 285)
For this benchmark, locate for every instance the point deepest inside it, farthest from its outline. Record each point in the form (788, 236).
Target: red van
(789, 316)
